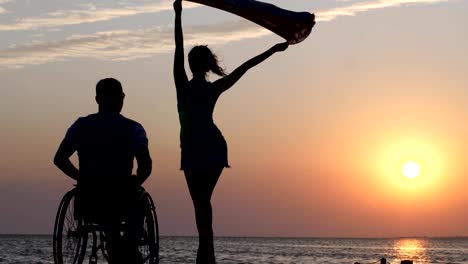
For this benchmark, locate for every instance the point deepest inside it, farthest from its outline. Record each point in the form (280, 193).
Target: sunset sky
(318, 135)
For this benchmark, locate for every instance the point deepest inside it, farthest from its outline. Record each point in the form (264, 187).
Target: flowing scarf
(292, 26)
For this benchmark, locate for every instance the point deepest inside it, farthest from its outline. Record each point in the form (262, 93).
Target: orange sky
(317, 135)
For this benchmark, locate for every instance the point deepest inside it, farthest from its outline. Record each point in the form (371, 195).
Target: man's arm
(62, 160)
(142, 155)
(144, 163)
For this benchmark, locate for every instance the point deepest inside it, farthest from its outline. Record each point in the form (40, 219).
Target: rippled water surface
(38, 249)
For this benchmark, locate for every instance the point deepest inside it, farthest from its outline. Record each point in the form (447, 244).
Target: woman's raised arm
(180, 76)
(229, 80)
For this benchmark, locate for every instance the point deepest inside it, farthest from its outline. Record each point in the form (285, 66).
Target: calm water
(38, 249)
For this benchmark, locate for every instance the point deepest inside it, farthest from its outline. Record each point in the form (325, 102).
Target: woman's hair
(202, 60)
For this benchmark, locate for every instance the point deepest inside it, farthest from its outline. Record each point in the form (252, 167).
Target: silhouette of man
(107, 144)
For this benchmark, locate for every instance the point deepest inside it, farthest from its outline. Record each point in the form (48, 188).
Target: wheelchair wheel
(149, 241)
(69, 240)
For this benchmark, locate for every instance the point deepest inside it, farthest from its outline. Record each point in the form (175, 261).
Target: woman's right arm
(180, 76)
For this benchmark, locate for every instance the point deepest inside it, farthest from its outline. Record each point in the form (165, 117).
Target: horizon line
(287, 237)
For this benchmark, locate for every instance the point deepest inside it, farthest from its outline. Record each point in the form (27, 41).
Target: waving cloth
(293, 26)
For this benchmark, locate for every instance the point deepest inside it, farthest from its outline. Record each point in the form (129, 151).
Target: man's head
(109, 95)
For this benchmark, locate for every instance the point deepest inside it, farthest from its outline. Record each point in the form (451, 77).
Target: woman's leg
(201, 183)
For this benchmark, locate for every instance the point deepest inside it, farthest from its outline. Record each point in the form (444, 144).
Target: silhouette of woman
(204, 150)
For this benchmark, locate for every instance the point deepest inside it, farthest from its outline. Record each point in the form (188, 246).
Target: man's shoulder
(113, 116)
(138, 132)
(98, 120)
(86, 118)
(131, 122)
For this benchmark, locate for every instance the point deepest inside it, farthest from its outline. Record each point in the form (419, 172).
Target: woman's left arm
(229, 80)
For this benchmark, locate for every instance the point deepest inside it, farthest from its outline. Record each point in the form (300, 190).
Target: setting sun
(412, 167)
(411, 170)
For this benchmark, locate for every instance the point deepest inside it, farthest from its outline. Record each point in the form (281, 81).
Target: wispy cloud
(2, 9)
(92, 14)
(354, 9)
(121, 45)
(89, 15)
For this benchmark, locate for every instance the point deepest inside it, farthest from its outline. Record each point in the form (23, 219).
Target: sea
(229, 250)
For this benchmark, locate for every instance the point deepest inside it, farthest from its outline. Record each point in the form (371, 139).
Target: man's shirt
(106, 143)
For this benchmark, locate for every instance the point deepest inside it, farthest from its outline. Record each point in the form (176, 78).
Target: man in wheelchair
(107, 192)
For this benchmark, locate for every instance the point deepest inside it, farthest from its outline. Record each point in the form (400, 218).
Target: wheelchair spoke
(69, 241)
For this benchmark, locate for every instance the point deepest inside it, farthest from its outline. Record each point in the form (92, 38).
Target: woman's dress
(202, 143)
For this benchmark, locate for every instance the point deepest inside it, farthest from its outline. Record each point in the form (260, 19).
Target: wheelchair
(72, 233)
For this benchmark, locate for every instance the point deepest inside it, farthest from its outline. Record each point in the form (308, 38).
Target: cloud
(89, 15)
(122, 45)
(2, 9)
(354, 9)
(93, 14)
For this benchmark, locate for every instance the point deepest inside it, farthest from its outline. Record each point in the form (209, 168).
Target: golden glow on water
(411, 249)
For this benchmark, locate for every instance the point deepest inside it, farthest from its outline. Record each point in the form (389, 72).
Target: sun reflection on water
(411, 249)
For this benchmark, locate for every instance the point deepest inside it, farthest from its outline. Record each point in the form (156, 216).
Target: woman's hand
(280, 46)
(178, 6)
